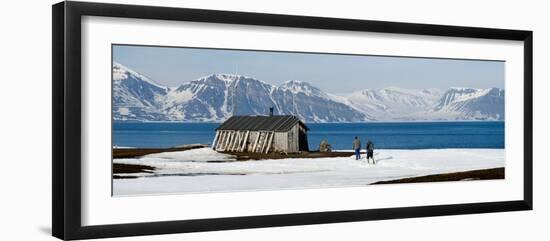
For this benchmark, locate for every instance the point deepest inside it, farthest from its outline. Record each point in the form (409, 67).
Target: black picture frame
(66, 158)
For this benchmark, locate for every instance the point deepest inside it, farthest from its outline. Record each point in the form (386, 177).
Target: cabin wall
(251, 140)
(280, 143)
(293, 140)
(229, 140)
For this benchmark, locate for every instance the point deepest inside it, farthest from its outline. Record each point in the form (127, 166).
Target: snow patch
(179, 97)
(123, 111)
(194, 171)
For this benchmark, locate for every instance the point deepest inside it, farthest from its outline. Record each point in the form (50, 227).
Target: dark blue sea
(409, 135)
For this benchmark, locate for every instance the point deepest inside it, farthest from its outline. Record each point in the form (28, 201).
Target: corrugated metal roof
(261, 123)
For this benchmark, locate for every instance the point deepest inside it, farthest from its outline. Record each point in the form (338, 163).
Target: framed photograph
(171, 120)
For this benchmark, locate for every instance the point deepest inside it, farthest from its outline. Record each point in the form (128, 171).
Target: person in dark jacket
(370, 151)
(357, 148)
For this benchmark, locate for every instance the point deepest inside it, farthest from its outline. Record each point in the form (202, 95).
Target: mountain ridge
(212, 98)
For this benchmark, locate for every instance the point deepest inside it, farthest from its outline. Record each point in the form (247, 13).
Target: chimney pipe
(271, 111)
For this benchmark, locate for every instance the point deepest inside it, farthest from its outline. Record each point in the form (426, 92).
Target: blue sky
(333, 73)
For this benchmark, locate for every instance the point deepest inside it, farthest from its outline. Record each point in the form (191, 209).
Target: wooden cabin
(262, 134)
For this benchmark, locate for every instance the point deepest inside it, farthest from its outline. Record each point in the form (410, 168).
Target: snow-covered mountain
(394, 103)
(213, 97)
(397, 104)
(470, 104)
(136, 97)
(217, 97)
(313, 105)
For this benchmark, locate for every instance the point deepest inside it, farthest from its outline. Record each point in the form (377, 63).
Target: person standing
(370, 151)
(357, 148)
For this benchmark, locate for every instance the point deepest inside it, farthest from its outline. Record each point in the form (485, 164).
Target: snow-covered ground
(204, 170)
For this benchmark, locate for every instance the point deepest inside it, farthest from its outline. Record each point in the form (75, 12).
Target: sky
(332, 73)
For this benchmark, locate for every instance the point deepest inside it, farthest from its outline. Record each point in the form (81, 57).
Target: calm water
(483, 134)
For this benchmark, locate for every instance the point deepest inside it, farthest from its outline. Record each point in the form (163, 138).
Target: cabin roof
(261, 123)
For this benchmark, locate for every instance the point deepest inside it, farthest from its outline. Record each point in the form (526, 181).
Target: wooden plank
(228, 147)
(239, 144)
(264, 137)
(269, 142)
(222, 142)
(225, 136)
(232, 143)
(219, 141)
(227, 139)
(231, 139)
(244, 146)
(236, 141)
(256, 142)
(241, 138)
(262, 142)
(260, 135)
(259, 141)
(219, 144)
(215, 141)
